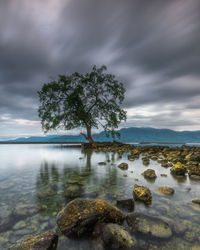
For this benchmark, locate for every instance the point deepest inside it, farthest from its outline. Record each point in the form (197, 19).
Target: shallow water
(33, 179)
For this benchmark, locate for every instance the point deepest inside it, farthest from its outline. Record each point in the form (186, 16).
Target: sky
(153, 47)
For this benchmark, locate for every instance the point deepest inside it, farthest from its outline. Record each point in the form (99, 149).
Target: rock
(6, 219)
(73, 191)
(123, 166)
(178, 169)
(163, 175)
(142, 193)
(39, 241)
(116, 237)
(145, 161)
(196, 201)
(126, 204)
(102, 163)
(46, 193)
(165, 190)
(194, 170)
(149, 174)
(24, 210)
(148, 225)
(79, 216)
(189, 236)
(195, 177)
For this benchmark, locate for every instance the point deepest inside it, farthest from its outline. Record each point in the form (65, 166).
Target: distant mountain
(128, 135)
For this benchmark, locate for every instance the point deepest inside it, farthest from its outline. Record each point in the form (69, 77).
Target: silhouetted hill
(128, 135)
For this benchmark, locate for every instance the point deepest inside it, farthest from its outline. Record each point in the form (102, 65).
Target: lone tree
(85, 101)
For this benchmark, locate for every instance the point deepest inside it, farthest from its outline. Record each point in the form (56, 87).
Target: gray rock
(116, 237)
(148, 225)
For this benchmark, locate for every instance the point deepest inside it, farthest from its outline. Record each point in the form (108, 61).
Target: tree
(78, 100)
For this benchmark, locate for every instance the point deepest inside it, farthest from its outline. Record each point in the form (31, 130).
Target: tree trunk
(89, 135)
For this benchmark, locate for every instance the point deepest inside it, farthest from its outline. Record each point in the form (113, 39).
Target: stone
(178, 169)
(165, 190)
(73, 191)
(163, 175)
(6, 219)
(196, 201)
(151, 226)
(142, 193)
(116, 237)
(79, 216)
(123, 166)
(195, 177)
(145, 161)
(149, 174)
(189, 236)
(24, 210)
(102, 163)
(126, 204)
(40, 241)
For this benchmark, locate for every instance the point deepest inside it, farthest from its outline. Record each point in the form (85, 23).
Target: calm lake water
(34, 179)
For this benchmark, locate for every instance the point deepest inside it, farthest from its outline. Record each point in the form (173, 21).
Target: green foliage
(85, 101)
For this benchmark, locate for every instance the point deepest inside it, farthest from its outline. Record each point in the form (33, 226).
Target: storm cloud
(151, 46)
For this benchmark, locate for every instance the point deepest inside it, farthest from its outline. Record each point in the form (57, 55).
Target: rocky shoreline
(101, 222)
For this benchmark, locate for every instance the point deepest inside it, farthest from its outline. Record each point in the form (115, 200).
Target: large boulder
(142, 193)
(116, 237)
(178, 169)
(79, 216)
(149, 174)
(39, 241)
(147, 225)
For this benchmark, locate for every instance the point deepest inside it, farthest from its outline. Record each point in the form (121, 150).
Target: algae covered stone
(79, 216)
(142, 193)
(147, 225)
(165, 190)
(178, 169)
(127, 204)
(123, 166)
(116, 237)
(39, 241)
(149, 174)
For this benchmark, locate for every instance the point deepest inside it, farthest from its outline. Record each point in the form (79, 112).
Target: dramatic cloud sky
(153, 47)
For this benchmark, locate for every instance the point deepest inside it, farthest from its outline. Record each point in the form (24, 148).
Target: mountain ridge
(128, 135)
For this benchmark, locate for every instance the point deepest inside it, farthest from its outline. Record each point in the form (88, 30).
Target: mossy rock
(178, 169)
(142, 193)
(79, 216)
(116, 237)
(39, 241)
(165, 190)
(123, 166)
(149, 174)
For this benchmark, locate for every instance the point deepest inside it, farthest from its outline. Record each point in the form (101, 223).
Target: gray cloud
(151, 46)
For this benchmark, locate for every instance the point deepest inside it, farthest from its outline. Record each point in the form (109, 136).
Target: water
(34, 179)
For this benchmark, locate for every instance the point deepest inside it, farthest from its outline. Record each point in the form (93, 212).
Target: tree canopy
(88, 101)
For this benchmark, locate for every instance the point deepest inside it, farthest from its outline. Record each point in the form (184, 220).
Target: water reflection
(49, 177)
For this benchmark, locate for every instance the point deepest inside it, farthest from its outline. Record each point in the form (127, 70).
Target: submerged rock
(149, 174)
(145, 161)
(6, 219)
(178, 169)
(126, 204)
(147, 225)
(142, 193)
(39, 241)
(79, 216)
(73, 191)
(123, 166)
(116, 237)
(25, 210)
(165, 190)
